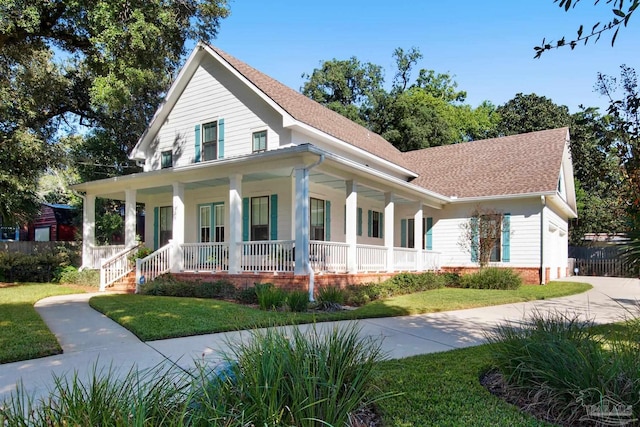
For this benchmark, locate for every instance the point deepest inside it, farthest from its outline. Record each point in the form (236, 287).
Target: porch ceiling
(336, 183)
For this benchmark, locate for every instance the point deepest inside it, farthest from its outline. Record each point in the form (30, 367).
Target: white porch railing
(205, 256)
(328, 256)
(100, 253)
(116, 267)
(430, 260)
(155, 264)
(272, 256)
(371, 258)
(405, 259)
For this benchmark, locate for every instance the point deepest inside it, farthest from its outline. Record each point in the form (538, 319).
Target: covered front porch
(297, 211)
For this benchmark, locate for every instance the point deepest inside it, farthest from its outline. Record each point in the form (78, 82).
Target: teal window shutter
(245, 219)
(197, 147)
(475, 239)
(403, 233)
(221, 139)
(429, 233)
(381, 226)
(369, 223)
(506, 237)
(274, 217)
(327, 221)
(359, 221)
(156, 227)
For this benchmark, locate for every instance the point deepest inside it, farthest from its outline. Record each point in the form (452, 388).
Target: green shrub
(141, 253)
(451, 279)
(38, 267)
(559, 359)
(400, 284)
(247, 296)
(270, 297)
(168, 285)
(492, 278)
(71, 275)
(297, 301)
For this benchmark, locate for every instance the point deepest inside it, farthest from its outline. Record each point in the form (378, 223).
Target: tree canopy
(413, 113)
(85, 67)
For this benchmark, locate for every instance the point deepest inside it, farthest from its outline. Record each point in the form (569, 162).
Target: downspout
(309, 269)
(542, 267)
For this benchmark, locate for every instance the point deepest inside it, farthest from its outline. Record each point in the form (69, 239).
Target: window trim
(253, 141)
(213, 217)
(252, 226)
(166, 154)
(204, 143)
(162, 209)
(323, 218)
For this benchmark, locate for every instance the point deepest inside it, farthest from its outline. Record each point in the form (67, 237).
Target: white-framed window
(165, 226)
(210, 141)
(411, 233)
(259, 143)
(211, 222)
(166, 159)
(42, 234)
(260, 218)
(317, 213)
(490, 229)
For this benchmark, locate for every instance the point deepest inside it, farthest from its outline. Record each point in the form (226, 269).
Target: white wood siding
(213, 93)
(448, 226)
(556, 243)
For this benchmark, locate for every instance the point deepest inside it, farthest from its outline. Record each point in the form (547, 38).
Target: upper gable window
(210, 141)
(166, 160)
(259, 141)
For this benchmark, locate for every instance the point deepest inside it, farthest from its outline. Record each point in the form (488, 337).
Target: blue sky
(487, 45)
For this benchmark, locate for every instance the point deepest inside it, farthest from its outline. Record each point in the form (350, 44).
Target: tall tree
(529, 113)
(413, 114)
(348, 87)
(98, 65)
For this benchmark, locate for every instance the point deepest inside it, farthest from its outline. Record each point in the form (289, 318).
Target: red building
(54, 223)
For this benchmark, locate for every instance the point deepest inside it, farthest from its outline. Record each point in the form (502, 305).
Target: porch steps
(127, 284)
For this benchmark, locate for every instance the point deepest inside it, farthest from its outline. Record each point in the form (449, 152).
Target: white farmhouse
(249, 180)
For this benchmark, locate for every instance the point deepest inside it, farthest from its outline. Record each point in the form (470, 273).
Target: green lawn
(23, 334)
(152, 318)
(443, 389)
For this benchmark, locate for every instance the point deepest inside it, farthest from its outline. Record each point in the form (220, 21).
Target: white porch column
(178, 227)
(389, 209)
(302, 222)
(235, 223)
(88, 230)
(351, 236)
(130, 218)
(417, 235)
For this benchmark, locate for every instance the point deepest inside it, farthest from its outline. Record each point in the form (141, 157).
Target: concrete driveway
(92, 341)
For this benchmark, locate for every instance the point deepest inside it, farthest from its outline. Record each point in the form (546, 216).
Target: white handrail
(272, 256)
(205, 256)
(431, 260)
(153, 265)
(116, 267)
(100, 253)
(405, 259)
(328, 256)
(371, 258)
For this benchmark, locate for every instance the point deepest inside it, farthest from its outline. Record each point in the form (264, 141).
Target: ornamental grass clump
(315, 377)
(561, 363)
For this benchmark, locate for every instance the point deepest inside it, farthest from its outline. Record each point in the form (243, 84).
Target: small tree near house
(481, 235)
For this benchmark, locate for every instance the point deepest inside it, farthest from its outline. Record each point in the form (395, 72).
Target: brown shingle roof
(518, 164)
(313, 114)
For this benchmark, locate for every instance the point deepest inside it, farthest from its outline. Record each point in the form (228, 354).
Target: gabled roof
(528, 163)
(292, 103)
(316, 115)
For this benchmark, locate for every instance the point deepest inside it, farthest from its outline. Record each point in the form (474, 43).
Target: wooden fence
(605, 261)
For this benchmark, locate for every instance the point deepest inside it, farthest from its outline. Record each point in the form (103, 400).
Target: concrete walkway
(92, 341)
